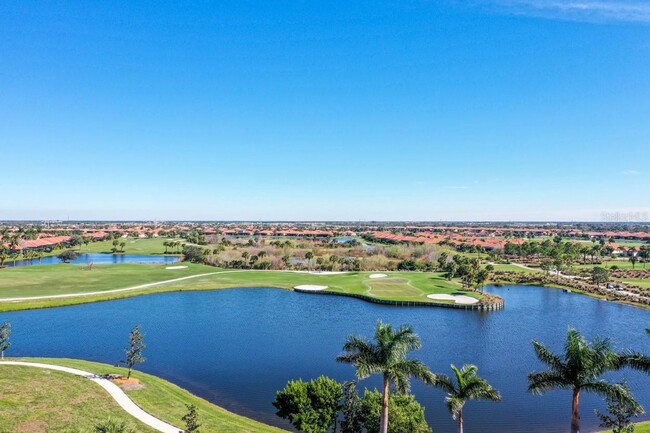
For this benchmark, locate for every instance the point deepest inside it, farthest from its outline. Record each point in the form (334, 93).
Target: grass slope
(167, 401)
(642, 427)
(33, 400)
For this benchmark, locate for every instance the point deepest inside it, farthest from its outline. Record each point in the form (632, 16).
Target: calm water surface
(238, 347)
(101, 259)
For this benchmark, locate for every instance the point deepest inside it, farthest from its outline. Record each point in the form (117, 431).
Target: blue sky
(318, 110)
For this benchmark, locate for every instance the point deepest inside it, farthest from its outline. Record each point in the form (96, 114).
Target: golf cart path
(559, 274)
(115, 391)
(126, 289)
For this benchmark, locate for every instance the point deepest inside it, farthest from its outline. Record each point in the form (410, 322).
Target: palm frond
(543, 381)
(547, 357)
(608, 390)
(444, 382)
(455, 405)
(634, 360)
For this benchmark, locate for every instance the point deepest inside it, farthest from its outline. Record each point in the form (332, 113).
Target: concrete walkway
(118, 395)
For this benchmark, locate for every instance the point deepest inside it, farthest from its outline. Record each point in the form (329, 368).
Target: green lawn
(63, 278)
(142, 246)
(513, 268)
(36, 400)
(642, 427)
(55, 400)
(60, 279)
(406, 286)
(622, 264)
(645, 284)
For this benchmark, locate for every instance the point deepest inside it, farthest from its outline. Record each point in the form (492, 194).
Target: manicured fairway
(24, 281)
(56, 400)
(62, 279)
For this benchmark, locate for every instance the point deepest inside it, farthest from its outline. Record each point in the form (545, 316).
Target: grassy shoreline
(159, 397)
(57, 280)
(66, 279)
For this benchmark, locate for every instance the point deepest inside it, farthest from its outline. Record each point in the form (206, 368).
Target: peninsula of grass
(35, 400)
(139, 246)
(67, 279)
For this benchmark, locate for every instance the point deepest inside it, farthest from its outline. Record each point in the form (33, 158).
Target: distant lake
(100, 259)
(237, 347)
(347, 239)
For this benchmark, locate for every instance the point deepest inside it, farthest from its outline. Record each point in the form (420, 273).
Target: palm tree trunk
(460, 421)
(383, 424)
(575, 417)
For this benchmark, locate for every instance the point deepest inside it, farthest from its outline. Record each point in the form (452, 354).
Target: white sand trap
(458, 299)
(373, 276)
(176, 267)
(310, 287)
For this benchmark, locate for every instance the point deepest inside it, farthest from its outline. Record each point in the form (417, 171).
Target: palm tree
(580, 368)
(469, 387)
(387, 356)
(309, 255)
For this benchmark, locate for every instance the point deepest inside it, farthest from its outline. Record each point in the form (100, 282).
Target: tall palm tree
(468, 386)
(387, 356)
(580, 368)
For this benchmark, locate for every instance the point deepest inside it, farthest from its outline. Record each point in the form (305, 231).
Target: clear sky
(320, 110)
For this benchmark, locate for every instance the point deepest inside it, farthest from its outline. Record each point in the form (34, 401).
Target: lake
(237, 347)
(101, 259)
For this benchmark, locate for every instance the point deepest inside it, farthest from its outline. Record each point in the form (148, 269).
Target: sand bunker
(176, 267)
(373, 276)
(458, 299)
(310, 287)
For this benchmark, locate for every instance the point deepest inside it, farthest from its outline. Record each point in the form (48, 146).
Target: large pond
(101, 259)
(237, 347)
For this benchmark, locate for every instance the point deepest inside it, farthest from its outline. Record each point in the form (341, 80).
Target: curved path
(141, 286)
(115, 391)
(126, 289)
